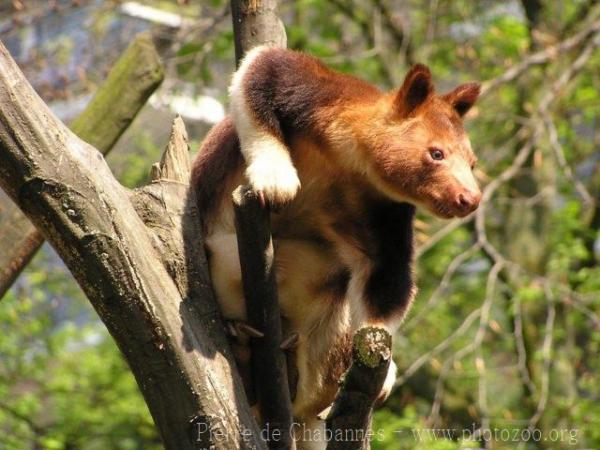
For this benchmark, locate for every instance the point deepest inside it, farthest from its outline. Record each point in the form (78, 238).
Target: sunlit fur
(343, 241)
(269, 165)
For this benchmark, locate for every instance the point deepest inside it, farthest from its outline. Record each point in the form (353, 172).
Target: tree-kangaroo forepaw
(275, 181)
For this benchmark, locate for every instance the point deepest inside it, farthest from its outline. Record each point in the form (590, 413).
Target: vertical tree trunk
(268, 360)
(255, 22)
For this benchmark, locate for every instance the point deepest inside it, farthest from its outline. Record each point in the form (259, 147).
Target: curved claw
(249, 330)
(323, 414)
(290, 342)
(261, 199)
(237, 327)
(231, 329)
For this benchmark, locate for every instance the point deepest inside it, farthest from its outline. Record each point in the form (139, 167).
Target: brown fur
(286, 100)
(218, 159)
(344, 244)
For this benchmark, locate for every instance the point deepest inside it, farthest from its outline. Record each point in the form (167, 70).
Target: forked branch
(135, 76)
(147, 279)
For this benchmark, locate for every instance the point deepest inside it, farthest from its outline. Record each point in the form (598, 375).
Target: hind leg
(310, 435)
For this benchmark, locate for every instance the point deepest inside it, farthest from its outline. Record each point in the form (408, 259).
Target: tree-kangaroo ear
(417, 87)
(463, 97)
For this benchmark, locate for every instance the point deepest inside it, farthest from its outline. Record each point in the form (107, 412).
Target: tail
(218, 157)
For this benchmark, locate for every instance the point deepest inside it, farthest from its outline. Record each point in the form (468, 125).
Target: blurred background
(501, 348)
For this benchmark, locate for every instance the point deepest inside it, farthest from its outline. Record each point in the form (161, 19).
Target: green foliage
(132, 168)
(409, 431)
(63, 383)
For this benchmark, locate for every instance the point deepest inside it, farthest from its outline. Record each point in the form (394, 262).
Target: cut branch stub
(371, 346)
(268, 360)
(175, 161)
(349, 421)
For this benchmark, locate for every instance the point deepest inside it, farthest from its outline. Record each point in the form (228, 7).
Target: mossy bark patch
(371, 346)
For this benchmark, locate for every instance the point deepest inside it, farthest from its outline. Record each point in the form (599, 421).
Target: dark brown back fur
(219, 157)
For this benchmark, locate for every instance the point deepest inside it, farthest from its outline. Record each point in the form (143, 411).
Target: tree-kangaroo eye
(436, 154)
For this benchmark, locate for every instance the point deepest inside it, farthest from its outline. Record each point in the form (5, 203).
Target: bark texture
(132, 80)
(268, 361)
(255, 22)
(147, 278)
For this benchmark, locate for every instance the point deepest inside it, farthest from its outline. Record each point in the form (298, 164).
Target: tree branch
(398, 33)
(349, 421)
(162, 316)
(256, 23)
(132, 80)
(269, 371)
(541, 57)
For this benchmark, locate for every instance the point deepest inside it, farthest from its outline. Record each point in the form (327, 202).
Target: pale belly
(310, 303)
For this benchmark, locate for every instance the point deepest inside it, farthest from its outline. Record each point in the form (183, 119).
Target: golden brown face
(422, 153)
